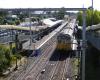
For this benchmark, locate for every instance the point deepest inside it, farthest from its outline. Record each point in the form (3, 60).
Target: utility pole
(83, 44)
(30, 28)
(11, 33)
(92, 12)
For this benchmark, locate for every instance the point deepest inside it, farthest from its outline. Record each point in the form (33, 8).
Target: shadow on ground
(92, 63)
(59, 55)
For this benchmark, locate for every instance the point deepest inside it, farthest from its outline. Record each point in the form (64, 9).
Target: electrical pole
(92, 14)
(30, 28)
(83, 44)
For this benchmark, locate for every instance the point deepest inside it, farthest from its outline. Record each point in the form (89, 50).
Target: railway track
(17, 76)
(21, 70)
(49, 68)
(55, 70)
(33, 72)
(68, 73)
(59, 71)
(65, 70)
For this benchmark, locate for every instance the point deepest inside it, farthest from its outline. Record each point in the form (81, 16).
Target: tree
(3, 13)
(59, 14)
(90, 15)
(17, 22)
(5, 58)
(79, 18)
(96, 17)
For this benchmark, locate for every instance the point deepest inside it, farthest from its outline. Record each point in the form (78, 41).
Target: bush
(95, 15)
(5, 58)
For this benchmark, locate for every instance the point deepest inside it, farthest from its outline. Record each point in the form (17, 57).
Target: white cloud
(47, 3)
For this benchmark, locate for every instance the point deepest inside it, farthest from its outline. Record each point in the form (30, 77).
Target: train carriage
(66, 38)
(64, 42)
(51, 39)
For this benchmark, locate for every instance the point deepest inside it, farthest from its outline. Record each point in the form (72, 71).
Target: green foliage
(2, 16)
(3, 13)
(35, 18)
(95, 16)
(17, 22)
(13, 50)
(17, 55)
(5, 58)
(80, 18)
(21, 17)
(60, 14)
(1, 20)
(89, 17)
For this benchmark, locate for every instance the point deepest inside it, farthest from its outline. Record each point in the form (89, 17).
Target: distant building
(14, 16)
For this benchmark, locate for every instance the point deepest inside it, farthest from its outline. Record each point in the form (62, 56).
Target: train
(44, 46)
(51, 40)
(66, 39)
(52, 25)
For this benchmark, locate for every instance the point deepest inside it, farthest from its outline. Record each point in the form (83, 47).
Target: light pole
(11, 33)
(83, 45)
(92, 13)
(92, 4)
(30, 28)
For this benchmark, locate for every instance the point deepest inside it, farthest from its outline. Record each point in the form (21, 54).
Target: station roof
(26, 26)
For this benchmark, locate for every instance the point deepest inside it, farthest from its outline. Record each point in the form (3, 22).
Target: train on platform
(43, 47)
(51, 40)
(52, 25)
(66, 38)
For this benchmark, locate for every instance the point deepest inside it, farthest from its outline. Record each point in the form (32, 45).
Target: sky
(48, 3)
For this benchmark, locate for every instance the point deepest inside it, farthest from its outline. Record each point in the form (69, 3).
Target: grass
(75, 65)
(8, 46)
